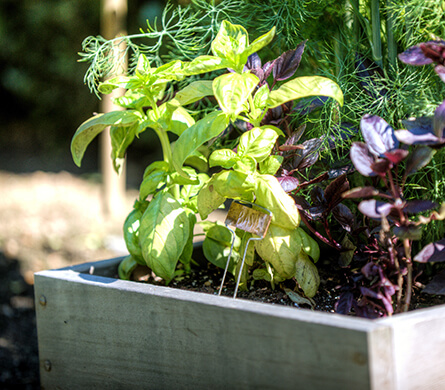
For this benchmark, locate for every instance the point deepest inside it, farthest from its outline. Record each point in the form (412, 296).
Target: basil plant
(159, 230)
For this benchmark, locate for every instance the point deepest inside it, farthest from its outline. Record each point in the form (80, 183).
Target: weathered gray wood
(419, 349)
(99, 332)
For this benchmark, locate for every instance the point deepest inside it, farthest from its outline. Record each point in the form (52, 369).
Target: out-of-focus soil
(47, 221)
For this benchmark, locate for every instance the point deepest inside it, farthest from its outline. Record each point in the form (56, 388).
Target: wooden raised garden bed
(95, 331)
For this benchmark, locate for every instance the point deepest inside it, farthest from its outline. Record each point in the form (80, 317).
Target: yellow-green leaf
(301, 87)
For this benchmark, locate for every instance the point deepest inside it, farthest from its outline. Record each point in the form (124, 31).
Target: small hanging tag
(248, 219)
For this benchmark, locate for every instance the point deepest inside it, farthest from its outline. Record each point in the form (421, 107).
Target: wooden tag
(248, 219)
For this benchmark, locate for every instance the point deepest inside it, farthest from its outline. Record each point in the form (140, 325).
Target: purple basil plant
(390, 269)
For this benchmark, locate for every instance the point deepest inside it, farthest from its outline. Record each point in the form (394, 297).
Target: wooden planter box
(98, 332)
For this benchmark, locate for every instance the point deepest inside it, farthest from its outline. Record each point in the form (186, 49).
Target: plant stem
(315, 233)
(409, 276)
(392, 46)
(376, 38)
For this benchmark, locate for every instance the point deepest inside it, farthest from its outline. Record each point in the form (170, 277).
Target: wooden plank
(107, 333)
(419, 349)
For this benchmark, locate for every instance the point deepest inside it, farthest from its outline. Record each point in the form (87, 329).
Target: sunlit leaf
(305, 86)
(307, 275)
(191, 139)
(378, 134)
(163, 234)
(375, 209)
(89, 129)
(362, 158)
(232, 90)
(432, 253)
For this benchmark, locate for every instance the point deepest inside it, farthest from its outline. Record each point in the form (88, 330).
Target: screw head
(47, 365)
(42, 300)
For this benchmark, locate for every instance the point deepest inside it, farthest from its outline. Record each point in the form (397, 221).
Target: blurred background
(52, 213)
(50, 210)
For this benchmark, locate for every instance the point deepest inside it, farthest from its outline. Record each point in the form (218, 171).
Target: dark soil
(19, 362)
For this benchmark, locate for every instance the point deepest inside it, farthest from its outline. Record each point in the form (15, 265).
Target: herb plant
(159, 230)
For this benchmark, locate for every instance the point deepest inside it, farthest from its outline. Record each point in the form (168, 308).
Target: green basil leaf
(257, 143)
(208, 199)
(231, 44)
(204, 64)
(225, 158)
(163, 234)
(302, 87)
(190, 190)
(151, 182)
(261, 97)
(234, 184)
(126, 268)
(270, 194)
(271, 164)
(113, 83)
(131, 235)
(143, 66)
(194, 91)
(216, 247)
(89, 129)
(232, 91)
(191, 139)
(261, 42)
(186, 255)
(307, 275)
(180, 121)
(280, 247)
(121, 139)
(246, 164)
(309, 245)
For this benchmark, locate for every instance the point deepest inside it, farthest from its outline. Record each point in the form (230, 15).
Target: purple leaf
(435, 50)
(360, 192)
(316, 212)
(336, 172)
(309, 155)
(253, 62)
(420, 138)
(378, 134)
(375, 209)
(286, 65)
(288, 183)
(317, 196)
(334, 190)
(418, 159)
(344, 216)
(419, 131)
(439, 121)
(414, 56)
(301, 202)
(440, 70)
(344, 303)
(362, 159)
(387, 302)
(418, 206)
(370, 269)
(295, 136)
(381, 166)
(267, 68)
(367, 292)
(433, 252)
(396, 156)
(437, 285)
